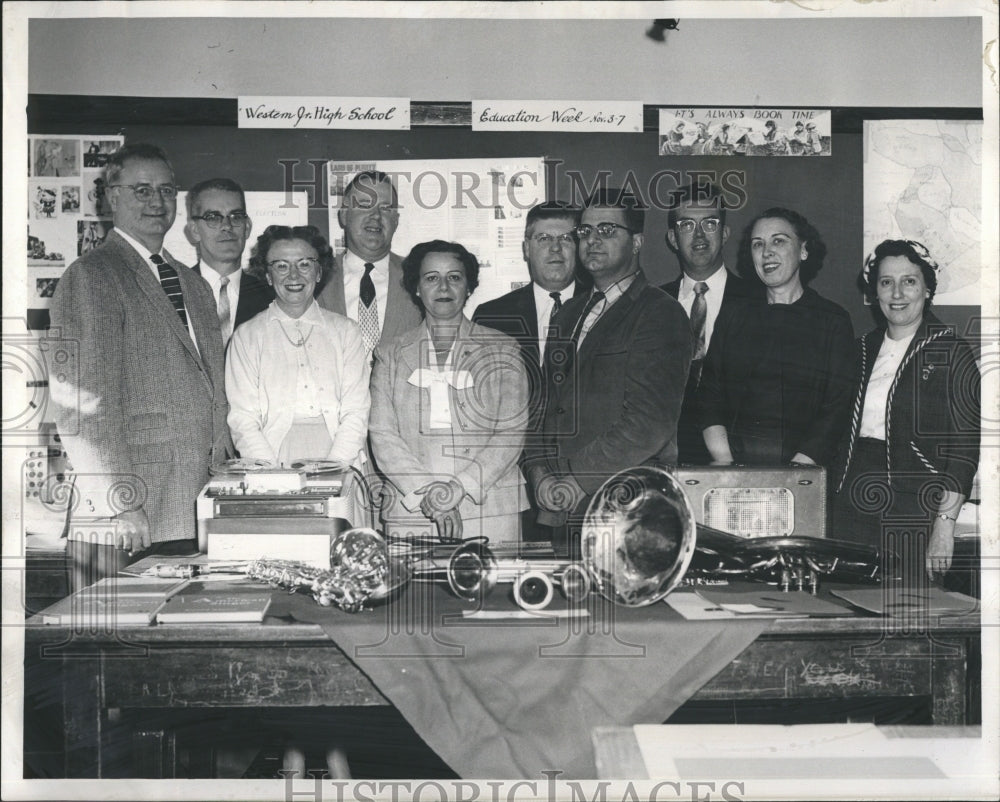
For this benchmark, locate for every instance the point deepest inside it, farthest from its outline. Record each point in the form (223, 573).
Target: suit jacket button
(560, 411)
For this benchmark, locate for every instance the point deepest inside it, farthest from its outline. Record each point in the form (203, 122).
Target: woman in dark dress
(913, 441)
(776, 386)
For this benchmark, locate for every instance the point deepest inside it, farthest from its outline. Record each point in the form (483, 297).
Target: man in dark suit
(615, 371)
(146, 414)
(526, 313)
(366, 283)
(696, 233)
(218, 225)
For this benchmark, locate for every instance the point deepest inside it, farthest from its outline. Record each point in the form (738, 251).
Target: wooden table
(94, 676)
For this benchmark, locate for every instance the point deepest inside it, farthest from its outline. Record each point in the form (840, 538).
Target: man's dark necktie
(171, 285)
(556, 305)
(368, 309)
(595, 298)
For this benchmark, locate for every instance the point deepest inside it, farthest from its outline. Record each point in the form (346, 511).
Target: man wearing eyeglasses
(696, 233)
(143, 414)
(526, 314)
(218, 225)
(366, 282)
(615, 371)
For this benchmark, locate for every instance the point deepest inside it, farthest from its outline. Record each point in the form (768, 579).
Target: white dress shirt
(889, 358)
(147, 254)
(354, 269)
(713, 297)
(232, 291)
(543, 307)
(271, 379)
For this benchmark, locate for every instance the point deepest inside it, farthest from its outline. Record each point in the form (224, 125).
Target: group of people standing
(506, 424)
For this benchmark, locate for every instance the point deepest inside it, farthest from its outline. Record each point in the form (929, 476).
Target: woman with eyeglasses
(449, 409)
(776, 384)
(912, 447)
(296, 374)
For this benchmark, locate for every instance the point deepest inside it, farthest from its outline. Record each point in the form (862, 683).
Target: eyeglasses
(281, 267)
(145, 192)
(604, 230)
(709, 225)
(216, 219)
(546, 240)
(362, 205)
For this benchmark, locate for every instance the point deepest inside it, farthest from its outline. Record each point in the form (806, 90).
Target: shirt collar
(141, 249)
(312, 315)
(215, 280)
(716, 283)
(543, 296)
(618, 289)
(354, 262)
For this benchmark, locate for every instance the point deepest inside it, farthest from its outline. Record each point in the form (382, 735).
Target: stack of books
(113, 602)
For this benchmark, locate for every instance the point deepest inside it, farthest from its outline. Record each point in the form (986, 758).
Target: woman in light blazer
(449, 410)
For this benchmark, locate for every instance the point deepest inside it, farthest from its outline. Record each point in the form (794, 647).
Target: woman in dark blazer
(913, 442)
(776, 384)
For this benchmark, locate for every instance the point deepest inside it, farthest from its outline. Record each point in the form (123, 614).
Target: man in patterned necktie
(144, 413)
(218, 225)
(696, 233)
(366, 282)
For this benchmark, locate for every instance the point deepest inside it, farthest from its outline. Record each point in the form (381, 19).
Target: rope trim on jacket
(922, 458)
(856, 414)
(892, 392)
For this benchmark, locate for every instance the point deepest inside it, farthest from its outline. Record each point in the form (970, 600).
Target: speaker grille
(750, 511)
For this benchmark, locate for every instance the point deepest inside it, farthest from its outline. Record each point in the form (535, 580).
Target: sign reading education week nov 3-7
(390, 113)
(557, 115)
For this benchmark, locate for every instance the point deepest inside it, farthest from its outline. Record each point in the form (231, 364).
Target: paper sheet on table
(887, 600)
(771, 601)
(807, 751)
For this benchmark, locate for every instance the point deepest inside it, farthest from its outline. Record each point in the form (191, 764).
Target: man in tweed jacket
(146, 414)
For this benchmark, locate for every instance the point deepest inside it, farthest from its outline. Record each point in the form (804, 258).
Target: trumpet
(472, 571)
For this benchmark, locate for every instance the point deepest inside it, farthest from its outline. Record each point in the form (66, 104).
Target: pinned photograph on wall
(90, 234)
(45, 248)
(44, 202)
(94, 198)
(42, 285)
(70, 199)
(687, 131)
(96, 152)
(55, 157)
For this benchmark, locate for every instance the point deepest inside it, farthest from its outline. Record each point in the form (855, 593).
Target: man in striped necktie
(143, 413)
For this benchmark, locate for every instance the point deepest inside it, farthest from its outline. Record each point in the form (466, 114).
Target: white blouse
(279, 368)
(889, 358)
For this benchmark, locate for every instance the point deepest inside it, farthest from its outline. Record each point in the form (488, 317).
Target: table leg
(948, 684)
(82, 703)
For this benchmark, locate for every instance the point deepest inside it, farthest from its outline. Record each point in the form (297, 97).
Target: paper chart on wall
(480, 203)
